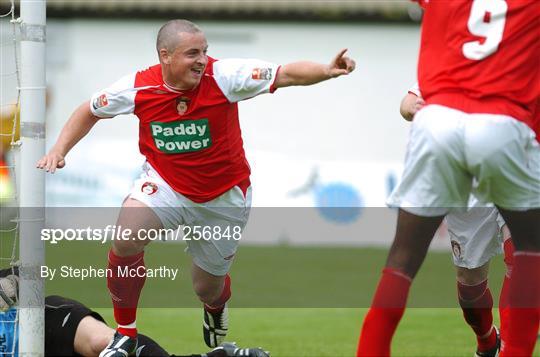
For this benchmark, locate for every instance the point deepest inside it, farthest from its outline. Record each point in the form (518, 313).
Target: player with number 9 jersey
(478, 131)
(482, 56)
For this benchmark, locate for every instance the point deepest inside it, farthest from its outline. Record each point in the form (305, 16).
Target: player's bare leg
(472, 276)
(413, 236)
(208, 287)
(91, 336)
(128, 255)
(214, 291)
(476, 302)
(524, 294)
(134, 216)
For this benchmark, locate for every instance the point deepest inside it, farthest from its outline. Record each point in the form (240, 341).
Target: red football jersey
(482, 56)
(191, 138)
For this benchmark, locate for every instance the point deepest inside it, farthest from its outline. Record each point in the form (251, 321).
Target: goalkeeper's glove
(8, 291)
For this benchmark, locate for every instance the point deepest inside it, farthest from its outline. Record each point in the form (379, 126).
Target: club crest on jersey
(456, 249)
(182, 104)
(100, 101)
(149, 188)
(262, 73)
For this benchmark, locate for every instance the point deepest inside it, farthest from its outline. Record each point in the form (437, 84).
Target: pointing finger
(341, 53)
(339, 56)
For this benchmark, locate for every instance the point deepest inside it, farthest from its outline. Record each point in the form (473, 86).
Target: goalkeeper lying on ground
(72, 329)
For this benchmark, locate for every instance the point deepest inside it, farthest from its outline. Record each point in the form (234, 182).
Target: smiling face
(183, 66)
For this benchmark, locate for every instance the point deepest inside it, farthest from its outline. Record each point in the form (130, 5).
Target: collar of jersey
(177, 90)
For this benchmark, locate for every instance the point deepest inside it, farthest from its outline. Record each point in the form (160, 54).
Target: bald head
(169, 34)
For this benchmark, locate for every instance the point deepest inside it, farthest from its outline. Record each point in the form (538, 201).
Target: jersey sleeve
(415, 89)
(117, 99)
(241, 79)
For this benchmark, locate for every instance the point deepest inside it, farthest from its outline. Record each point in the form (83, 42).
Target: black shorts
(62, 316)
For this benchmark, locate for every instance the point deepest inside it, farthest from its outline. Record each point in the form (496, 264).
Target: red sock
(476, 302)
(385, 313)
(524, 299)
(504, 311)
(125, 291)
(218, 305)
(503, 299)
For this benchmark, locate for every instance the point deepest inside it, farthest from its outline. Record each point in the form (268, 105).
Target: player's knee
(129, 247)
(526, 242)
(472, 277)
(525, 228)
(408, 264)
(208, 294)
(530, 245)
(413, 236)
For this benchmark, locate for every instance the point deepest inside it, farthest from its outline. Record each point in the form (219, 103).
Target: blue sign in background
(338, 202)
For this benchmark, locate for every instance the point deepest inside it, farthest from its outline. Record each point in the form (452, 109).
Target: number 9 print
(487, 20)
(207, 233)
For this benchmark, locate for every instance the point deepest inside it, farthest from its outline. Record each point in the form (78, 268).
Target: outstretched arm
(78, 125)
(305, 73)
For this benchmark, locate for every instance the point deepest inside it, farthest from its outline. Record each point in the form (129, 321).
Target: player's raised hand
(341, 64)
(52, 161)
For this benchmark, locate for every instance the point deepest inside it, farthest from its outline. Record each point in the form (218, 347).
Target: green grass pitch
(293, 301)
(311, 332)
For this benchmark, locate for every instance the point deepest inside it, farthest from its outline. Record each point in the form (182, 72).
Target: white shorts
(448, 149)
(222, 218)
(476, 235)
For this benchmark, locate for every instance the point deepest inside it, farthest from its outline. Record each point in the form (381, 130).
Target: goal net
(9, 140)
(22, 196)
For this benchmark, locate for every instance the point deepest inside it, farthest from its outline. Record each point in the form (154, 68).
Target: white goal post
(32, 181)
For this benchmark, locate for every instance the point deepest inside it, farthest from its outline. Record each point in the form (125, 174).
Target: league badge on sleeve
(261, 73)
(149, 188)
(100, 102)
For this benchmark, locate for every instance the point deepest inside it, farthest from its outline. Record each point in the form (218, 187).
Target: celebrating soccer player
(195, 164)
(480, 79)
